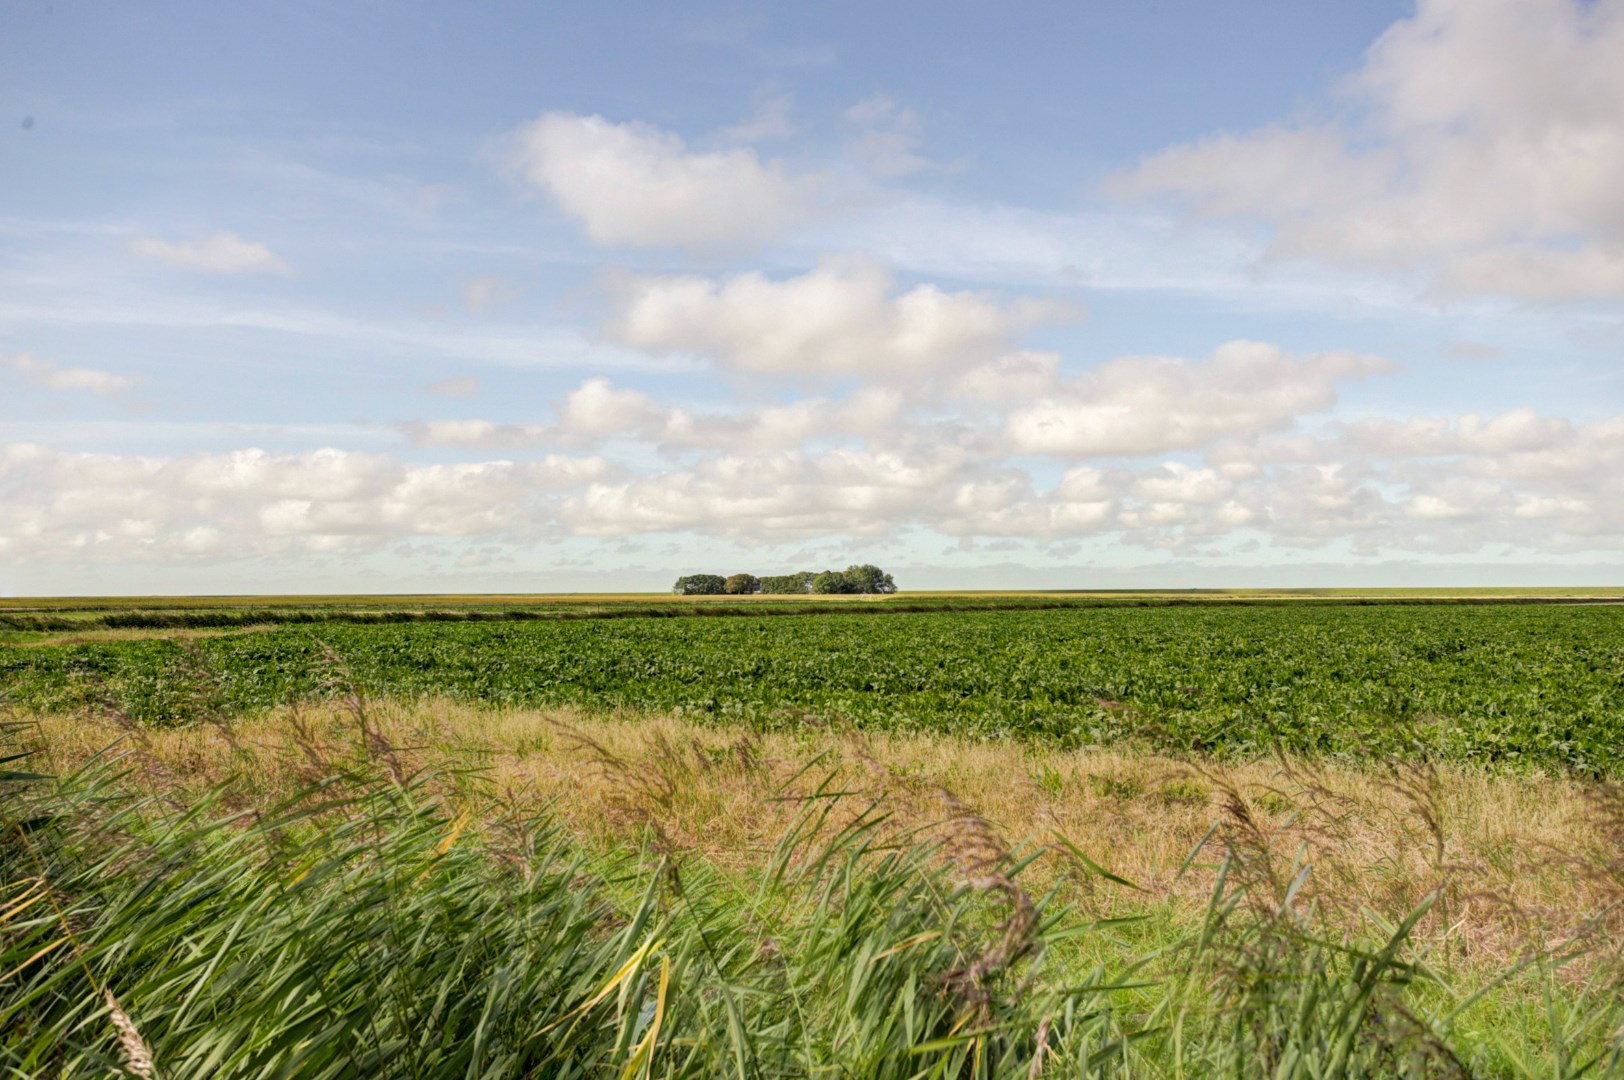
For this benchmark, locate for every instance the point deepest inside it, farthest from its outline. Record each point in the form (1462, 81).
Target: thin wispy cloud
(889, 140)
(483, 293)
(770, 118)
(215, 253)
(456, 386)
(54, 376)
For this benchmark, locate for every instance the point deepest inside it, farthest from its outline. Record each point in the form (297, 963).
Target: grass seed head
(137, 1058)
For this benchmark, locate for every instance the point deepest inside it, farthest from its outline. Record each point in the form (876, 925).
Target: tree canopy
(862, 579)
(700, 585)
(868, 578)
(800, 582)
(741, 584)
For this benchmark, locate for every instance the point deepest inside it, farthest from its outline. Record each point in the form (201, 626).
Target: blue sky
(408, 297)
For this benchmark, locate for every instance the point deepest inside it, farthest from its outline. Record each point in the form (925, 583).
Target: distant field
(1538, 684)
(493, 601)
(36, 621)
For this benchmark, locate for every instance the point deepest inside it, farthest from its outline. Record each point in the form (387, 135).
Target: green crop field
(1533, 684)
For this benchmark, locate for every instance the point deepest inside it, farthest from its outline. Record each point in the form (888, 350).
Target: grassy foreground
(429, 889)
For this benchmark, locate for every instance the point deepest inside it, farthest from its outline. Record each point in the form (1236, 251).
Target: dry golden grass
(1496, 847)
(93, 637)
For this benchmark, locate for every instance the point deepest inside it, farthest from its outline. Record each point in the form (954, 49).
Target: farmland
(1539, 685)
(1103, 836)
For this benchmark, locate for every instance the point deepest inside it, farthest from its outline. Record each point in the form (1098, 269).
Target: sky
(492, 297)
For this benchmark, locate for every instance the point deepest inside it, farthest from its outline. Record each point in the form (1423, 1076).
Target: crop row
(1542, 685)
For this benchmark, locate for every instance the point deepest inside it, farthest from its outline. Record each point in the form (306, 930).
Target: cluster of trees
(854, 579)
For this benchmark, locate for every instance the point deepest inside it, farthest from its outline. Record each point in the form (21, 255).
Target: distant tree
(700, 585)
(741, 585)
(830, 582)
(788, 584)
(868, 579)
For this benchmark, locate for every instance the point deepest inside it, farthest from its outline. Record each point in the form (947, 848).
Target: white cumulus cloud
(55, 503)
(597, 411)
(1467, 485)
(1145, 405)
(846, 317)
(1488, 148)
(636, 185)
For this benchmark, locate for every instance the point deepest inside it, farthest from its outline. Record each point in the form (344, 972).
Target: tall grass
(376, 924)
(381, 918)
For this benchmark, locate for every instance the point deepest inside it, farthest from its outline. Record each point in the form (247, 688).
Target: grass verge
(435, 890)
